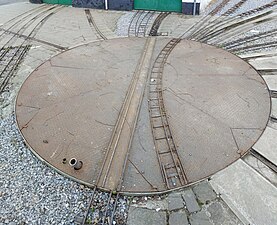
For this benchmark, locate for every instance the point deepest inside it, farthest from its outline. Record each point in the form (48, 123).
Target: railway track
(24, 15)
(103, 209)
(210, 28)
(254, 47)
(139, 23)
(223, 28)
(273, 94)
(26, 22)
(218, 8)
(236, 43)
(204, 22)
(234, 8)
(116, 157)
(264, 160)
(94, 27)
(166, 149)
(158, 21)
(10, 65)
(117, 153)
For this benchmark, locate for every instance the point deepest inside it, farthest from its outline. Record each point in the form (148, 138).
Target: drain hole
(72, 162)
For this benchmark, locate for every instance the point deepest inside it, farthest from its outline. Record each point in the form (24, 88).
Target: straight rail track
(116, 156)
(107, 209)
(263, 159)
(238, 42)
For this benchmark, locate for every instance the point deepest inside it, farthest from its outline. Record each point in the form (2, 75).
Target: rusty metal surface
(69, 106)
(216, 105)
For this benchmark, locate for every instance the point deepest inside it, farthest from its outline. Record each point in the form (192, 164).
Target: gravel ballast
(30, 191)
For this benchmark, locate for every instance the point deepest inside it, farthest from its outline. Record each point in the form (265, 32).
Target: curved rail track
(12, 63)
(24, 15)
(158, 21)
(237, 43)
(210, 26)
(139, 23)
(166, 149)
(94, 27)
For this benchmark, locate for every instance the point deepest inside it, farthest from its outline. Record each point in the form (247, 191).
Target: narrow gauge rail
(254, 47)
(217, 25)
(217, 34)
(166, 149)
(218, 8)
(234, 8)
(273, 94)
(107, 213)
(205, 20)
(139, 23)
(264, 160)
(114, 164)
(158, 21)
(219, 28)
(8, 70)
(94, 27)
(23, 15)
(238, 42)
(124, 129)
(24, 27)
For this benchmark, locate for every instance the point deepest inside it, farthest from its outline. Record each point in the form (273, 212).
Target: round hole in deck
(72, 162)
(216, 107)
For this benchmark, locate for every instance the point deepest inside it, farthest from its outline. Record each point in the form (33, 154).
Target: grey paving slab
(267, 144)
(257, 54)
(271, 82)
(249, 195)
(9, 11)
(204, 192)
(69, 27)
(264, 63)
(7, 2)
(175, 25)
(219, 213)
(175, 201)
(190, 200)
(178, 218)
(141, 216)
(261, 168)
(200, 218)
(274, 107)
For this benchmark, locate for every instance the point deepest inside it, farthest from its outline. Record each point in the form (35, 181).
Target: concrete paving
(204, 192)
(250, 196)
(178, 218)
(7, 2)
(264, 63)
(274, 107)
(141, 216)
(267, 145)
(190, 200)
(175, 202)
(271, 82)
